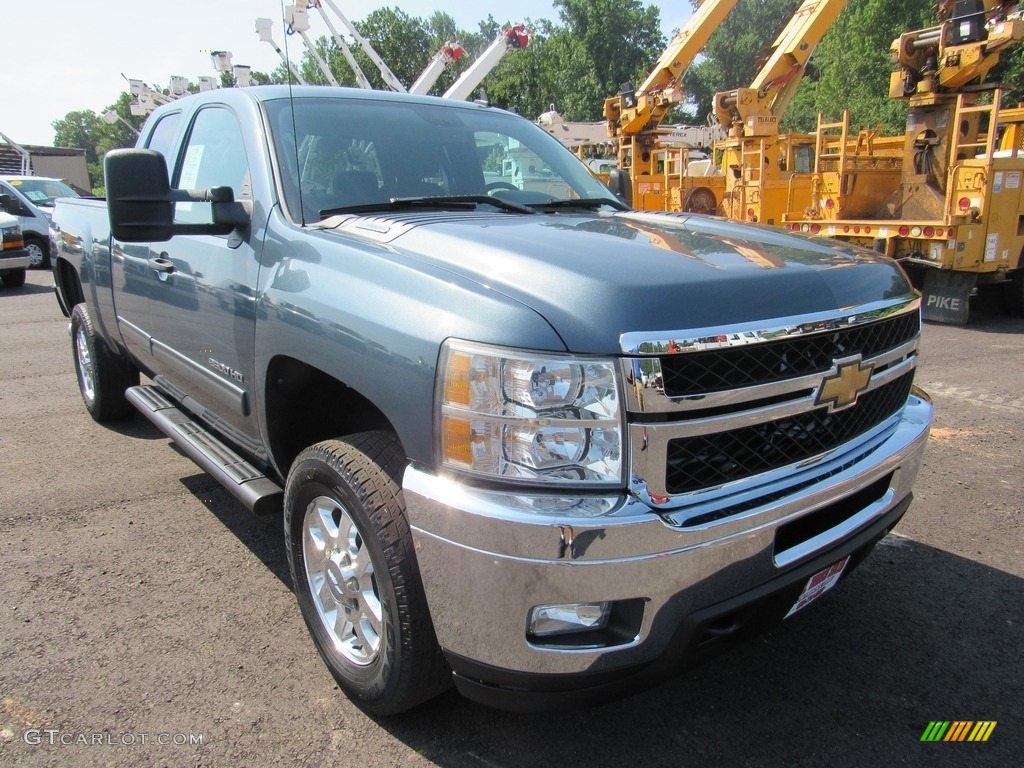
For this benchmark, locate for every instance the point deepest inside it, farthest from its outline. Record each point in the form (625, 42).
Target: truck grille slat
(700, 373)
(705, 461)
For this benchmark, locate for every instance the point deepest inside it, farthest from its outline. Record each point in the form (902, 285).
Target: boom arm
(755, 111)
(449, 52)
(512, 38)
(361, 78)
(390, 79)
(297, 19)
(264, 30)
(633, 111)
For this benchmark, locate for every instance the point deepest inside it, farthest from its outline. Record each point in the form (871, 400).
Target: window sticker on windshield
(190, 168)
(35, 195)
(16, 183)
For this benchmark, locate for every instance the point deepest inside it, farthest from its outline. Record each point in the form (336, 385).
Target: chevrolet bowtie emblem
(840, 388)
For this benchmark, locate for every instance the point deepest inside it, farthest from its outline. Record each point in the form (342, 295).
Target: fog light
(548, 620)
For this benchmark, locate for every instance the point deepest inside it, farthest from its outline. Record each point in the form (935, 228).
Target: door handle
(161, 264)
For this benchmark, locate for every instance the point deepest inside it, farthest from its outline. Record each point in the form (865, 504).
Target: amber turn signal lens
(457, 440)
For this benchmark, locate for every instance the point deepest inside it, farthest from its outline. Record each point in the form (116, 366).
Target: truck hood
(596, 277)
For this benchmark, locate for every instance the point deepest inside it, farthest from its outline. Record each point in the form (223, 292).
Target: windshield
(356, 153)
(42, 191)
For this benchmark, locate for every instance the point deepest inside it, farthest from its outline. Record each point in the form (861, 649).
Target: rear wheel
(355, 573)
(13, 278)
(103, 377)
(1013, 293)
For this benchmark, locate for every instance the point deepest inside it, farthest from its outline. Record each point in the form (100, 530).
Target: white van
(13, 259)
(32, 202)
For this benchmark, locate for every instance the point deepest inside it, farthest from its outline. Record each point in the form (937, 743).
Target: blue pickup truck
(522, 438)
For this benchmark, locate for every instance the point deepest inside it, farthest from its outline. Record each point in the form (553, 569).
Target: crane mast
(758, 163)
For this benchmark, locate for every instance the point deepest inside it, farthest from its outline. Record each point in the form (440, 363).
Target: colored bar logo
(958, 730)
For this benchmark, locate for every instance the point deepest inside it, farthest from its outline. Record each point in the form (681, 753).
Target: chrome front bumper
(14, 260)
(487, 558)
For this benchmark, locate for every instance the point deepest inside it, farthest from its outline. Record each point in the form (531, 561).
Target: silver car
(31, 202)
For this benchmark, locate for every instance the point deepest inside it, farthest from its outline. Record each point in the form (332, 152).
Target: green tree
(851, 67)
(730, 59)
(604, 43)
(442, 30)
(82, 129)
(402, 41)
(520, 82)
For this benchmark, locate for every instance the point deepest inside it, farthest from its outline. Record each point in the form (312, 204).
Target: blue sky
(64, 55)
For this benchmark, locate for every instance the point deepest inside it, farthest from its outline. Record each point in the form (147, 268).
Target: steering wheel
(494, 186)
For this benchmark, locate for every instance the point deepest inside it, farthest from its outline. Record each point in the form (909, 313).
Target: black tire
(13, 278)
(355, 573)
(1013, 293)
(38, 252)
(102, 375)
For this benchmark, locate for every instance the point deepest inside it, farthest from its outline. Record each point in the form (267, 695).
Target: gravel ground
(147, 618)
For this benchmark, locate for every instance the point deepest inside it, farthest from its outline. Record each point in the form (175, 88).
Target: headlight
(528, 416)
(12, 237)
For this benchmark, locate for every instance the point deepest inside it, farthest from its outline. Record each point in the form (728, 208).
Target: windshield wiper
(448, 202)
(588, 203)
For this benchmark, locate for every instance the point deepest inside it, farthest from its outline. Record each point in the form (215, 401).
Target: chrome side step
(246, 483)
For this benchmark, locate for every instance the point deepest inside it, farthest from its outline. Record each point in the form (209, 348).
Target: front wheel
(102, 375)
(13, 278)
(355, 573)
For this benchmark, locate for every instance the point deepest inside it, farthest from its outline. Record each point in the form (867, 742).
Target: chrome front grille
(717, 414)
(708, 460)
(751, 364)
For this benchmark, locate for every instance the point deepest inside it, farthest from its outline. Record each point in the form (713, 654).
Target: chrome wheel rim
(35, 254)
(84, 359)
(341, 581)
